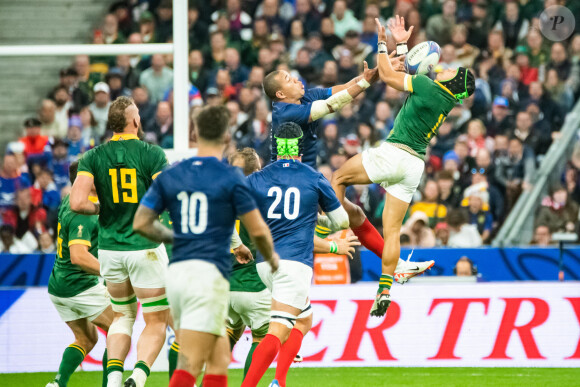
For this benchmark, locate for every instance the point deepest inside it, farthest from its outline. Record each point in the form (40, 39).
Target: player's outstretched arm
(387, 73)
(79, 196)
(261, 236)
(340, 246)
(79, 255)
(146, 223)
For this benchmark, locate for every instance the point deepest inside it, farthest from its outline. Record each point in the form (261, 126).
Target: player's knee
(304, 324)
(281, 323)
(125, 309)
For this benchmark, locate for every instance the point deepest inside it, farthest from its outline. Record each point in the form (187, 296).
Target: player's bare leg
(119, 337)
(216, 369)
(196, 348)
(86, 336)
(393, 215)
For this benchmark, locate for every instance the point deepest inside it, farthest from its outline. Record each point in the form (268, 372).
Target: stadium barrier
(477, 324)
(494, 264)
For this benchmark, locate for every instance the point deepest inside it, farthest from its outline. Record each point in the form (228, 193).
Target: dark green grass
(353, 377)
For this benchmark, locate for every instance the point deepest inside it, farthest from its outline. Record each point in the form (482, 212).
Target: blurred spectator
(10, 244)
(27, 220)
(558, 90)
(558, 212)
(528, 136)
(60, 163)
(296, 39)
(114, 79)
(147, 28)
(477, 202)
(11, 181)
(542, 236)
(441, 234)
(269, 11)
(445, 140)
(464, 268)
(198, 28)
(138, 62)
(358, 50)
(439, 26)
(480, 24)
(329, 38)
(63, 105)
(476, 137)
(465, 53)
(161, 128)
(89, 127)
(330, 142)
(462, 234)
(69, 79)
(515, 171)
(552, 112)
(257, 129)
(369, 32)
(417, 228)
(307, 16)
(36, 146)
(536, 52)
(430, 204)
(44, 193)
(559, 61)
(86, 78)
(111, 32)
(368, 136)
(512, 24)
(46, 244)
(146, 108)
(449, 192)
(351, 145)
(343, 19)
(198, 75)
(129, 75)
(157, 79)
(499, 120)
(100, 107)
(164, 25)
(240, 21)
(47, 117)
(74, 138)
(224, 85)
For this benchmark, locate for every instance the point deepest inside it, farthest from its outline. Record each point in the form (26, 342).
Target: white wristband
(402, 49)
(382, 47)
(363, 84)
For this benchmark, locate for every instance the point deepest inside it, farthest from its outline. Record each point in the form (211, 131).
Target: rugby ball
(422, 58)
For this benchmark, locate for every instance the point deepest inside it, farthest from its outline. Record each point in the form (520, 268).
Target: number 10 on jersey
(193, 212)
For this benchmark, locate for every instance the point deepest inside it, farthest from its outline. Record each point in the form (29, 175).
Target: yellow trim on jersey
(444, 88)
(124, 136)
(155, 175)
(93, 199)
(79, 242)
(85, 173)
(410, 84)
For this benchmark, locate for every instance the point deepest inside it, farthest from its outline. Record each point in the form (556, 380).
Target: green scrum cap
(288, 137)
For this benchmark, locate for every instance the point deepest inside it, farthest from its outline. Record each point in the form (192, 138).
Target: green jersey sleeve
(158, 161)
(87, 164)
(422, 85)
(80, 230)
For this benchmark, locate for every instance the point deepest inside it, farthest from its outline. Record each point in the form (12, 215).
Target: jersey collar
(124, 136)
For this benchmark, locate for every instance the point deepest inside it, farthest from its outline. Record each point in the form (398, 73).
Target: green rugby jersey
(123, 170)
(66, 279)
(245, 277)
(423, 112)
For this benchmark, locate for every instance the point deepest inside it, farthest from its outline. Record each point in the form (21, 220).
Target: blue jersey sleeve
(317, 94)
(326, 197)
(299, 114)
(242, 195)
(154, 198)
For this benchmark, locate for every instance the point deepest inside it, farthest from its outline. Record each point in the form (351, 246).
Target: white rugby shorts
(398, 171)
(251, 309)
(290, 284)
(145, 268)
(89, 304)
(198, 295)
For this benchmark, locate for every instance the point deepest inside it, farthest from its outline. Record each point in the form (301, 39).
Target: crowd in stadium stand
(486, 154)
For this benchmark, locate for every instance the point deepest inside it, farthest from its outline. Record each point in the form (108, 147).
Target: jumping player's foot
(274, 383)
(406, 269)
(298, 359)
(381, 304)
(130, 383)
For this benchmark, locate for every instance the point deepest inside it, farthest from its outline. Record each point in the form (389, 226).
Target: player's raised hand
(371, 75)
(381, 31)
(397, 27)
(346, 245)
(243, 254)
(274, 261)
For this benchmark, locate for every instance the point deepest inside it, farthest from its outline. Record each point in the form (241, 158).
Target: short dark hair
(250, 158)
(271, 85)
(456, 218)
(32, 122)
(117, 120)
(212, 122)
(73, 170)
